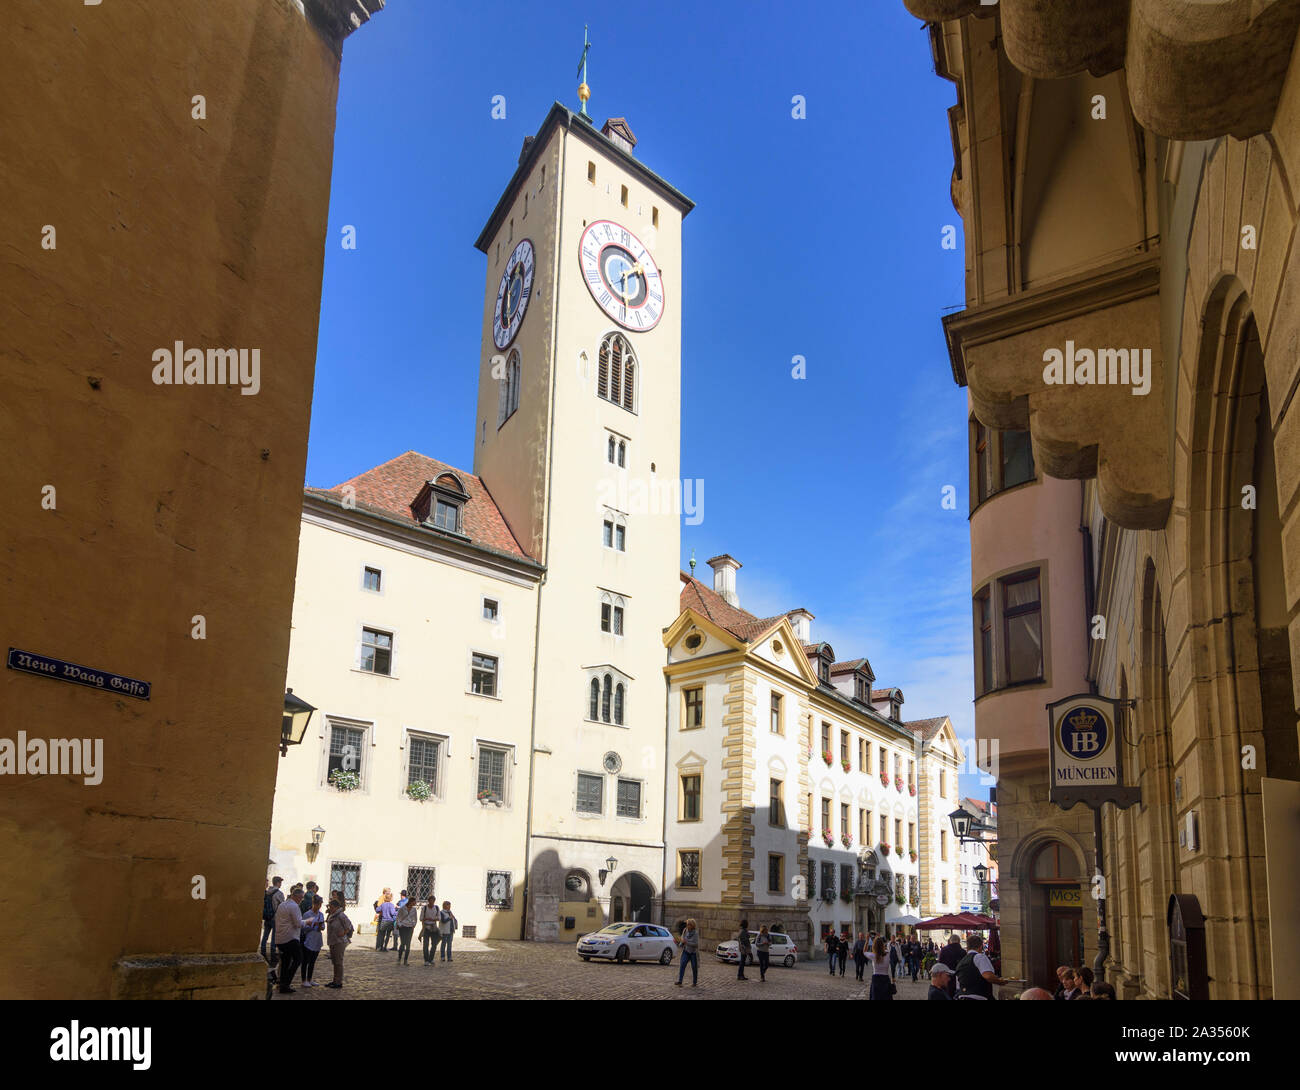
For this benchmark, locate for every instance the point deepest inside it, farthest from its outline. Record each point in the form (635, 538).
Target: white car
(783, 950)
(629, 942)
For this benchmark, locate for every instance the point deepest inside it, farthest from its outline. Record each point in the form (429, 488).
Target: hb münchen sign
(1086, 746)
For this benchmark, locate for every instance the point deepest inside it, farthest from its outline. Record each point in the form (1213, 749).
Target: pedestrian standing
(407, 917)
(338, 933)
(690, 944)
(763, 948)
(832, 949)
(272, 899)
(313, 928)
(882, 987)
(429, 916)
(447, 924)
(387, 922)
(914, 952)
(288, 929)
(743, 948)
(860, 954)
(894, 958)
(843, 951)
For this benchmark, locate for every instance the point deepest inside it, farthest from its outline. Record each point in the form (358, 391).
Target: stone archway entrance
(631, 900)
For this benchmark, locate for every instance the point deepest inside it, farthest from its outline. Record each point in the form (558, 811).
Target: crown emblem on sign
(1082, 720)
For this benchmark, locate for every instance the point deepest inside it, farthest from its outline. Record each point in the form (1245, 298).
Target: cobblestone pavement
(498, 969)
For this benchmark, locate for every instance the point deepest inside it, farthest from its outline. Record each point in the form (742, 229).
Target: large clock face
(512, 295)
(621, 275)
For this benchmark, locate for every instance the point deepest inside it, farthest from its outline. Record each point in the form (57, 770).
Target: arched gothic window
(508, 391)
(618, 704)
(605, 700)
(616, 373)
(595, 699)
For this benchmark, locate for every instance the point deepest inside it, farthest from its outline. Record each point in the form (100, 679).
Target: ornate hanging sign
(1086, 747)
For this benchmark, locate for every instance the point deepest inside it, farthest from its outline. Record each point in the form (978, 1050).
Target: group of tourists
(1074, 984)
(905, 955)
(397, 920)
(298, 927)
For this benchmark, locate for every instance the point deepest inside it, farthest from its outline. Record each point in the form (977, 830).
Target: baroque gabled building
(796, 796)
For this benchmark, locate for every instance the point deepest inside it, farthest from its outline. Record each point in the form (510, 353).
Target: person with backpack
(429, 917)
(975, 975)
(447, 924)
(272, 899)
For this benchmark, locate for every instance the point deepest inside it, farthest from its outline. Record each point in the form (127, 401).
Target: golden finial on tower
(584, 91)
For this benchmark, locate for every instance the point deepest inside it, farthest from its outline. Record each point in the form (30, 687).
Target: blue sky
(817, 237)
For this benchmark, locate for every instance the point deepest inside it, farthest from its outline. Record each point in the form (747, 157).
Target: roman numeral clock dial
(513, 294)
(621, 275)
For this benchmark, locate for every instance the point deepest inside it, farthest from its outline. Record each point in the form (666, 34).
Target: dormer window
(441, 504)
(824, 669)
(861, 692)
(446, 515)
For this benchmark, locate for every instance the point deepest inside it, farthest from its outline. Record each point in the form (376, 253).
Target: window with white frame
(346, 877)
(614, 532)
(493, 773)
(483, 674)
(591, 793)
(420, 883)
(423, 756)
(372, 579)
(491, 609)
(376, 651)
(629, 798)
(611, 614)
(347, 748)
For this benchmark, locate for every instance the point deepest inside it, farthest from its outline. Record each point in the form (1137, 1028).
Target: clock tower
(577, 437)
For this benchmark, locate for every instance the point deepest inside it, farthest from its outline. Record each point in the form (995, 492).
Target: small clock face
(621, 275)
(513, 294)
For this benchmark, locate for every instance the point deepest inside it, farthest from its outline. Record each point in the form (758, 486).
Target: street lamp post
(982, 877)
(293, 726)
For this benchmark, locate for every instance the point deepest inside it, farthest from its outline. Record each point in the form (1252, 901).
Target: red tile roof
(739, 622)
(883, 694)
(391, 488)
(926, 728)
